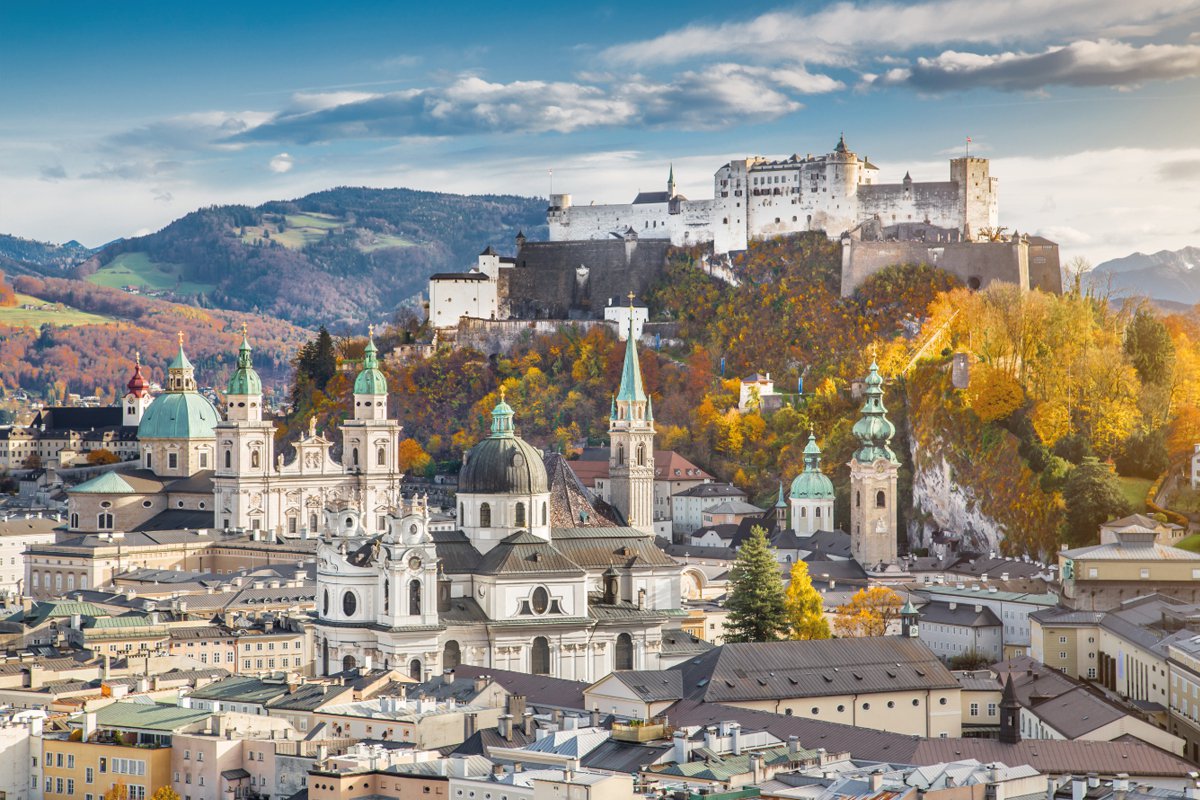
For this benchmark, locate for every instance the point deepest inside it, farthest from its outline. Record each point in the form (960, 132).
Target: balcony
(641, 730)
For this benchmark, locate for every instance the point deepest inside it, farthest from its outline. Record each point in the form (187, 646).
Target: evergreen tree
(316, 364)
(1149, 347)
(757, 609)
(805, 606)
(1092, 497)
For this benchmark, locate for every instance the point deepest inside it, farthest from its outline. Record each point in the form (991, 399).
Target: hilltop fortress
(938, 222)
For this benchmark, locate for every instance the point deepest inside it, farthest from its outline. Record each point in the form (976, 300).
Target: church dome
(371, 379)
(245, 380)
(503, 463)
(812, 484)
(179, 415)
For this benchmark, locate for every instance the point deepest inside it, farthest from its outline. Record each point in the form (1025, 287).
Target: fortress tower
(977, 195)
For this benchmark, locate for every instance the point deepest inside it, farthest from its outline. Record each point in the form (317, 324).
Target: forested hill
(21, 256)
(338, 257)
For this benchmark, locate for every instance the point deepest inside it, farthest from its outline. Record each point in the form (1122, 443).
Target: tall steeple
(502, 419)
(873, 476)
(812, 494)
(370, 387)
(243, 393)
(631, 442)
(137, 395)
(181, 375)
(370, 440)
(671, 183)
(1010, 714)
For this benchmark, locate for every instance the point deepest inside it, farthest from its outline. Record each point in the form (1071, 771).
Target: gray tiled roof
(963, 614)
(525, 553)
(653, 685)
(776, 670)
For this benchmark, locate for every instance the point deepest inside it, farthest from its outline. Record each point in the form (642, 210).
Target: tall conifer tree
(757, 610)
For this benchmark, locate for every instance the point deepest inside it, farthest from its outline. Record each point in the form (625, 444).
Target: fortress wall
(545, 284)
(896, 203)
(1045, 271)
(649, 220)
(977, 264)
(491, 336)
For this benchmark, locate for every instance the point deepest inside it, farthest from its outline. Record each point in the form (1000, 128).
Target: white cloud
(843, 32)
(281, 163)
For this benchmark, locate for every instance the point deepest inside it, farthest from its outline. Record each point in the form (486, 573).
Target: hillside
(24, 256)
(1168, 275)
(339, 257)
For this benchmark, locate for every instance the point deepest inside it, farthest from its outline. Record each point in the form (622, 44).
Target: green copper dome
(179, 415)
(874, 430)
(245, 380)
(370, 380)
(503, 463)
(812, 484)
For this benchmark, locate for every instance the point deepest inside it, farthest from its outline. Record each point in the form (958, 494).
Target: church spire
(245, 380)
(671, 183)
(181, 375)
(631, 390)
(874, 430)
(370, 378)
(502, 419)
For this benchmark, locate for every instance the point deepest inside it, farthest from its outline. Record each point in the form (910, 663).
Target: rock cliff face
(942, 504)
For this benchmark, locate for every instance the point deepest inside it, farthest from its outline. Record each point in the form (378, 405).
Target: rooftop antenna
(551, 171)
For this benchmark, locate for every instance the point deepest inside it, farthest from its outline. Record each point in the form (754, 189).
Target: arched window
(544, 512)
(461, 515)
(349, 604)
(228, 459)
(451, 655)
(803, 512)
(880, 499)
(149, 460)
(104, 521)
(623, 656)
(381, 457)
(520, 521)
(348, 663)
(817, 514)
(414, 669)
(641, 455)
(354, 456)
(620, 454)
(414, 597)
(254, 459)
(326, 603)
(857, 499)
(485, 515)
(539, 656)
(387, 596)
(312, 522)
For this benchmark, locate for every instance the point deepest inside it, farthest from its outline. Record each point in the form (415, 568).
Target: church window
(37, 577)
(857, 499)
(104, 521)
(803, 512)
(818, 512)
(254, 459)
(228, 459)
(520, 518)
(312, 522)
(485, 515)
(620, 454)
(414, 669)
(880, 499)
(623, 652)
(172, 460)
(348, 663)
(641, 455)
(414, 597)
(541, 600)
(539, 656)
(460, 513)
(74, 520)
(354, 457)
(130, 411)
(544, 512)
(381, 457)
(326, 603)
(451, 655)
(349, 604)
(203, 459)
(292, 525)
(387, 596)
(255, 524)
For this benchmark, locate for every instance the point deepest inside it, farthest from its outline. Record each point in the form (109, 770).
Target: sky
(116, 118)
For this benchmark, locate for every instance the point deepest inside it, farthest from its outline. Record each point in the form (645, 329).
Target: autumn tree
(805, 606)
(118, 791)
(757, 608)
(994, 394)
(868, 613)
(165, 792)
(102, 456)
(1092, 496)
(411, 458)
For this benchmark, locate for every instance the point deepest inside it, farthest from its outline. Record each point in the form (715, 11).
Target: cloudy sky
(119, 117)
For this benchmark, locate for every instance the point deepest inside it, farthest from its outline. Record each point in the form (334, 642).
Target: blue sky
(119, 117)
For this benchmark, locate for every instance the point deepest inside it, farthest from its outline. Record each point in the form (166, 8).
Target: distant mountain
(1168, 275)
(337, 257)
(27, 256)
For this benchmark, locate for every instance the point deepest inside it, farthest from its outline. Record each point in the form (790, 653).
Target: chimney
(516, 707)
(756, 769)
(89, 725)
(367, 661)
(1078, 788)
(447, 676)
(497, 771)
(1051, 787)
(877, 781)
(735, 736)
(1094, 780)
(481, 681)
(682, 751)
(505, 727)
(518, 766)
(527, 722)
(595, 716)
(710, 738)
(470, 721)
(793, 747)
(322, 753)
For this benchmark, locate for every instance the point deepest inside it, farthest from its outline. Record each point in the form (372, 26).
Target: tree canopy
(805, 606)
(757, 609)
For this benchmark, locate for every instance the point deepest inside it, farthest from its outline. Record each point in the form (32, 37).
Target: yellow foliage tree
(805, 607)
(993, 394)
(165, 793)
(868, 613)
(411, 457)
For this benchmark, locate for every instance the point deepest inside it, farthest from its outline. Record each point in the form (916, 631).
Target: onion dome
(138, 386)
(874, 430)
(503, 463)
(370, 380)
(245, 380)
(812, 484)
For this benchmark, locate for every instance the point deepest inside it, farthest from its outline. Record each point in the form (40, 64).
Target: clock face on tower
(414, 563)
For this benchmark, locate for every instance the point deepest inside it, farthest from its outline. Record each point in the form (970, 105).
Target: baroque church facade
(516, 587)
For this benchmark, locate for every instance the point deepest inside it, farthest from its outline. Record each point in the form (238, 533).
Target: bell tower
(370, 442)
(873, 473)
(137, 396)
(631, 443)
